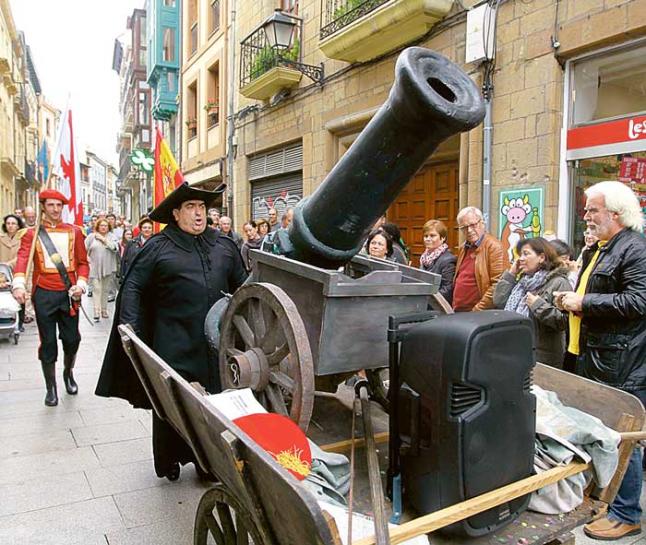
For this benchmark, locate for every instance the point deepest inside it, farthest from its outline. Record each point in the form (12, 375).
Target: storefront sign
(620, 136)
(612, 132)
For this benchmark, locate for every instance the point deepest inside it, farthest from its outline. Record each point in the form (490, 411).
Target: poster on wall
(520, 216)
(633, 173)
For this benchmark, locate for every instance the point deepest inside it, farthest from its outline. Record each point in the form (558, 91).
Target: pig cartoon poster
(520, 216)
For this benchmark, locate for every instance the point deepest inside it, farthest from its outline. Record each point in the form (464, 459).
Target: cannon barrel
(431, 100)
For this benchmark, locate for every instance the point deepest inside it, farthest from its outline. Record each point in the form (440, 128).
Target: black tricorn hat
(163, 212)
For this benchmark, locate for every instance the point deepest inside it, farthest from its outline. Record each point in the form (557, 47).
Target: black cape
(166, 294)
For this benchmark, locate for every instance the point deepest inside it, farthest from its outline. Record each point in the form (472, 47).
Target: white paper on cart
(362, 525)
(236, 403)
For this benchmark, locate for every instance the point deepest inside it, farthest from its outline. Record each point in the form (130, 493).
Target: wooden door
(431, 194)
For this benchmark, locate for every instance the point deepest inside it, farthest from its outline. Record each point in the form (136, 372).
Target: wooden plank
(460, 511)
(346, 445)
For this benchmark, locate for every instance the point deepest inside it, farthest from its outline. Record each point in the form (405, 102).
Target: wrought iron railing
(258, 57)
(336, 14)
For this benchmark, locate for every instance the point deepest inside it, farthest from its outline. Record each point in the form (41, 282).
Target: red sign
(632, 169)
(612, 132)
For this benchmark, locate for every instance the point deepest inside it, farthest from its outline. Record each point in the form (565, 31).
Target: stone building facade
(294, 138)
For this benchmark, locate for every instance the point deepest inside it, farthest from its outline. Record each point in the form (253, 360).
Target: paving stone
(56, 418)
(26, 445)
(175, 532)
(108, 433)
(111, 414)
(123, 452)
(178, 501)
(20, 468)
(44, 492)
(22, 384)
(20, 396)
(81, 523)
(116, 479)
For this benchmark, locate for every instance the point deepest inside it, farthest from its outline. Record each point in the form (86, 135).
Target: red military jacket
(70, 244)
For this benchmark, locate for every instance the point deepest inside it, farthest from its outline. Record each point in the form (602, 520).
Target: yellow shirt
(575, 319)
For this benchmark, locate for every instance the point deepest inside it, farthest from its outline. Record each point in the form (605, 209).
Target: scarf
(516, 301)
(428, 258)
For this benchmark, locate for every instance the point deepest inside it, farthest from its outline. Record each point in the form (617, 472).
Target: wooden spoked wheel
(264, 346)
(222, 518)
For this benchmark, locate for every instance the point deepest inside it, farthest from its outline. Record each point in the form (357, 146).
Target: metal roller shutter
(276, 180)
(280, 193)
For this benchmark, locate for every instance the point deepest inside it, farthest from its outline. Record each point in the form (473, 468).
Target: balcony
(4, 65)
(263, 70)
(361, 30)
(22, 107)
(10, 84)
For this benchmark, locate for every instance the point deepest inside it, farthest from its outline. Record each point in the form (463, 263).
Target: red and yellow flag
(167, 174)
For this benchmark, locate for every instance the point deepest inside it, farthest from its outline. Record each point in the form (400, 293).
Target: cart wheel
(264, 346)
(221, 516)
(379, 382)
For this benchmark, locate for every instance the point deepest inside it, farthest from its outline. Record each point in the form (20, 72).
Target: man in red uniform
(60, 273)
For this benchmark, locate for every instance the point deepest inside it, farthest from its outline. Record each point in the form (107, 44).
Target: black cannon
(299, 317)
(431, 100)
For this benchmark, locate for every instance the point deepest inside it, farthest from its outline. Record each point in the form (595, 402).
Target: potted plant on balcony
(191, 123)
(212, 107)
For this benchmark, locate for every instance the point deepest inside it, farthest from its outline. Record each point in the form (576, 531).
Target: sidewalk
(81, 473)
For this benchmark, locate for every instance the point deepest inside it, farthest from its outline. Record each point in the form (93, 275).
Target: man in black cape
(166, 294)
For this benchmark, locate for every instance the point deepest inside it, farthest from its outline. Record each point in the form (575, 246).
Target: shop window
(629, 168)
(608, 86)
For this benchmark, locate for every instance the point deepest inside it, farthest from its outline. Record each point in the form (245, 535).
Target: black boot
(68, 378)
(49, 372)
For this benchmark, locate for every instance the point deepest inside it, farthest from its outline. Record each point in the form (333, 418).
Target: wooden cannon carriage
(258, 501)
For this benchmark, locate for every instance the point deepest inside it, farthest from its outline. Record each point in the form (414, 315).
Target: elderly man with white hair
(479, 265)
(608, 326)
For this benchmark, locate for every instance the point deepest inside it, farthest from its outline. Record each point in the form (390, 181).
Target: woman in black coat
(437, 258)
(135, 245)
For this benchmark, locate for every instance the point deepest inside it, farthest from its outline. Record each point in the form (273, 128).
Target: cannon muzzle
(431, 100)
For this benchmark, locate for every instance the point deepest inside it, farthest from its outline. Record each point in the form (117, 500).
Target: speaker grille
(464, 397)
(529, 381)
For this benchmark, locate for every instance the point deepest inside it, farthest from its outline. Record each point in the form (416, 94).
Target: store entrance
(629, 168)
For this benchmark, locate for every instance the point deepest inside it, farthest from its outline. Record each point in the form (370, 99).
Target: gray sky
(71, 43)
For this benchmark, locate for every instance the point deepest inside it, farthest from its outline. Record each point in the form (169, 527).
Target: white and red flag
(66, 168)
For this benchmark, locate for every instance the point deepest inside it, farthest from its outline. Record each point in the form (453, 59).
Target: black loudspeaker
(466, 414)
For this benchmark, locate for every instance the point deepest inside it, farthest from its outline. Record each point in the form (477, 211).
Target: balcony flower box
(270, 82)
(378, 30)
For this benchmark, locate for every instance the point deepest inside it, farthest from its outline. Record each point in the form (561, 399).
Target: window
(214, 16)
(192, 25)
(48, 127)
(212, 106)
(169, 44)
(169, 3)
(290, 6)
(609, 85)
(191, 113)
(143, 109)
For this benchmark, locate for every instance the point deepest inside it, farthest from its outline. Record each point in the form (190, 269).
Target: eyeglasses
(465, 228)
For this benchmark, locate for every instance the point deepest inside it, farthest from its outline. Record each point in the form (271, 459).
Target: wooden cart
(256, 500)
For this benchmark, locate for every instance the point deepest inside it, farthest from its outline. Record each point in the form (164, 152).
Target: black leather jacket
(613, 328)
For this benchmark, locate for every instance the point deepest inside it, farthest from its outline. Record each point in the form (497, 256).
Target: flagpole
(39, 211)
